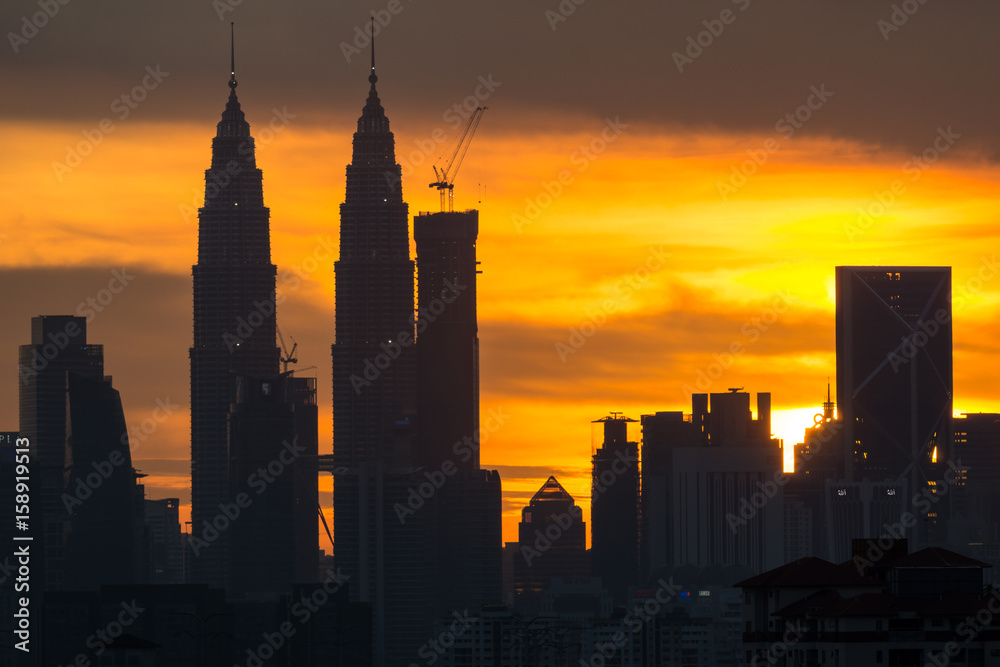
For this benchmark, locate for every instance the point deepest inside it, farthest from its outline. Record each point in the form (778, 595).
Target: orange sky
(639, 242)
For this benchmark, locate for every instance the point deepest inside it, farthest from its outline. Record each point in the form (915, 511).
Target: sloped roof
(551, 490)
(809, 572)
(936, 557)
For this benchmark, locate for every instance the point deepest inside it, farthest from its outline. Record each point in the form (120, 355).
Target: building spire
(372, 77)
(232, 55)
(373, 118)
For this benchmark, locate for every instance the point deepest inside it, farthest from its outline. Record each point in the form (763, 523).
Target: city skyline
(712, 289)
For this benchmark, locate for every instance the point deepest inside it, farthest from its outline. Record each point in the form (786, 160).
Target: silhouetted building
(725, 485)
(885, 607)
(894, 376)
(662, 433)
(447, 336)
(468, 505)
(58, 346)
(101, 504)
(273, 446)
(974, 486)
(819, 459)
(165, 547)
(374, 385)
(615, 509)
(234, 321)
(552, 542)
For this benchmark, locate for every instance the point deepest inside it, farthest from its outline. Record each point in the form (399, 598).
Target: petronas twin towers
(416, 533)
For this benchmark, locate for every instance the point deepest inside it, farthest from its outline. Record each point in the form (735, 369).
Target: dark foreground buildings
(615, 509)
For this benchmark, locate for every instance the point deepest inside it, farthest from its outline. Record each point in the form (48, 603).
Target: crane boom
(445, 176)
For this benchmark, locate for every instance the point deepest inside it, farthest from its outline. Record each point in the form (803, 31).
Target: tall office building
(711, 483)
(615, 509)
(234, 320)
(468, 506)
(165, 546)
(58, 347)
(661, 434)
(272, 428)
(894, 367)
(102, 503)
(385, 555)
(552, 543)
(894, 376)
(447, 335)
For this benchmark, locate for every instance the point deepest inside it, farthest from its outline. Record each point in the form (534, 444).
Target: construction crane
(287, 357)
(446, 175)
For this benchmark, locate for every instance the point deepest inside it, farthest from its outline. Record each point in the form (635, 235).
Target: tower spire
(232, 54)
(372, 77)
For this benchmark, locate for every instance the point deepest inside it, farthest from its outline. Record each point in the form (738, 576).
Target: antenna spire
(232, 54)
(372, 78)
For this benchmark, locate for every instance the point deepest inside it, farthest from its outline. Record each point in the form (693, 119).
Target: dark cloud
(891, 88)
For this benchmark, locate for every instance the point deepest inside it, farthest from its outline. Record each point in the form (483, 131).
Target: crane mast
(445, 176)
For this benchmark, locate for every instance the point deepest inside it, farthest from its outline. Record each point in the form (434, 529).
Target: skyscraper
(58, 347)
(552, 542)
(894, 377)
(615, 507)
(720, 496)
(447, 335)
(894, 367)
(385, 555)
(103, 514)
(234, 319)
(468, 506)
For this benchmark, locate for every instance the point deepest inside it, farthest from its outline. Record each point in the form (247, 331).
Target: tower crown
(373, 119)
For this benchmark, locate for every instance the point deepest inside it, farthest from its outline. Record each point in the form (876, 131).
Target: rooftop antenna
(232, 54)
(371, 77)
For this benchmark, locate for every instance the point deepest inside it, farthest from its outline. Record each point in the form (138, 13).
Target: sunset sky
(648, 204)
